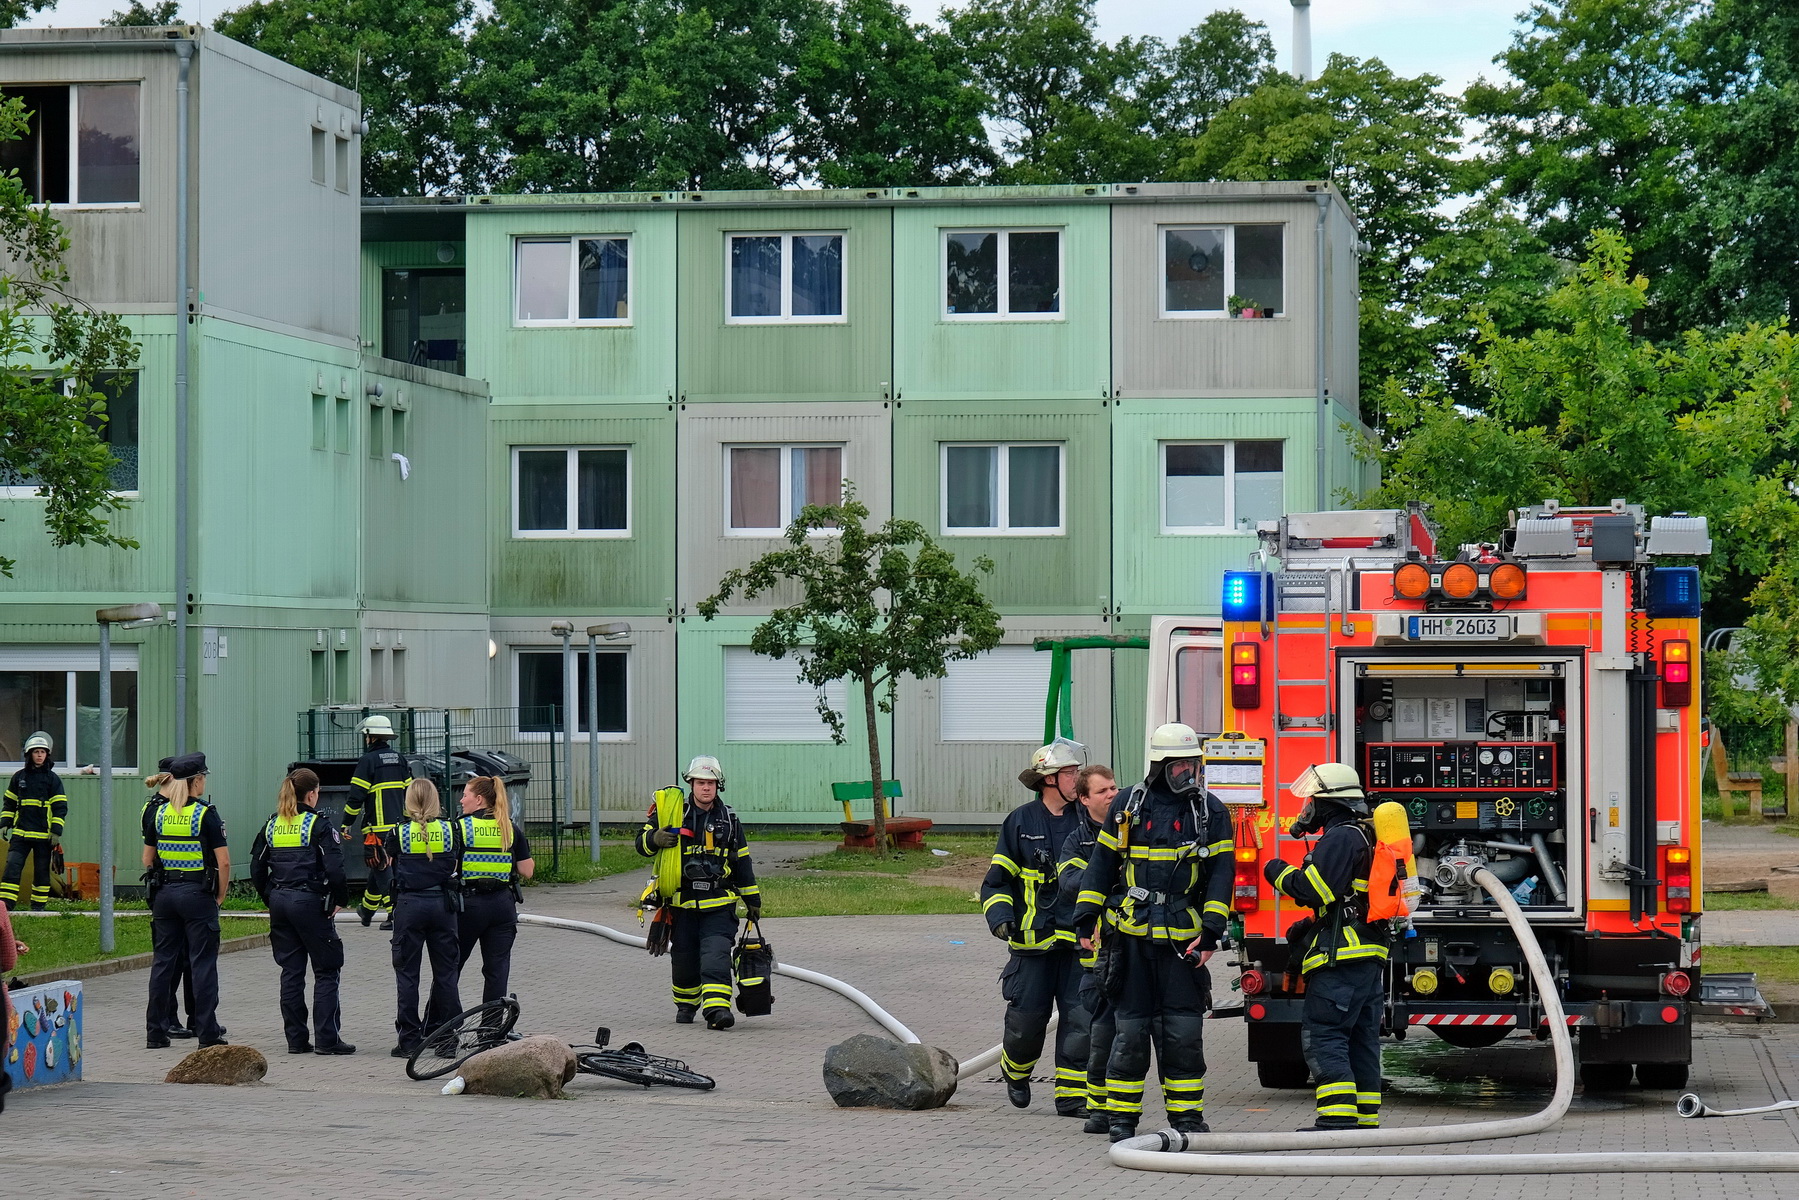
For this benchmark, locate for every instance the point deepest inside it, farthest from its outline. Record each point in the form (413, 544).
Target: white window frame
(787, 316)
(1003, 292)
(1230, 270)
(1002, 498)
(581, 734)
(30, 491)
(836, 694)
(1229, 529)
(75, 146)
(788, 513)
(70, 661)
(573, 320)
(574, 495)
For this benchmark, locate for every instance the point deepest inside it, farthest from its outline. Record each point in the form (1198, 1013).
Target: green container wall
(632, 576)
(938, 359)
(1157, 573)
(851, 360)
(423, 546)
(1065, 574)
(382, 256)
(48, 574)
(627, 363)
(1130, 689)
(772, 782)
(273, 516)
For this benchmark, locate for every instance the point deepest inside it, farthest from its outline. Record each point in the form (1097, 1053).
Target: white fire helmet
(704, 766)
(41, 741)
(376, 726)
(1173, 741)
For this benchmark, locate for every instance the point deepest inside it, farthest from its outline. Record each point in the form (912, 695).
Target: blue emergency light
(1673, 592)
(1248, 596)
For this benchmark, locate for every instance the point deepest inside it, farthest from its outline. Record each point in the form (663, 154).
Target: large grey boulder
(225, 1065)
(877, 1072)
(534, 1067)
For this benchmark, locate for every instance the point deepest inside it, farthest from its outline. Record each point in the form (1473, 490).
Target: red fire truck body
(1534, 706)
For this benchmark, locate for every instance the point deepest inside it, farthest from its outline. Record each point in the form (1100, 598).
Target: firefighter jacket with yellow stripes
(715, 860)
(1333, 882)
(1020, 886)
(35, 806)
(1071, 868)
(1161, 868)
(379, 783)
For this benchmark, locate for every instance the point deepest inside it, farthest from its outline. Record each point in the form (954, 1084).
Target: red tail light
(1246, 886)
(1246, 675)
(1254, 983)
(1677, 983)
(1677, 878)
(1677, 674)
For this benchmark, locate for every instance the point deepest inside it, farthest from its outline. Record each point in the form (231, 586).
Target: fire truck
(1531, 703)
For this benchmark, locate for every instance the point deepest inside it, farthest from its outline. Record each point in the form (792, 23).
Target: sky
(1455, 39)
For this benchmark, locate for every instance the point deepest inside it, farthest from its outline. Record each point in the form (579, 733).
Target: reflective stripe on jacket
(1333, 882)
(178, 846)
(485, 857)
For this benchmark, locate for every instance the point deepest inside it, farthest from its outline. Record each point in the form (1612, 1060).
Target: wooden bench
(1730, 781)
(901, 831)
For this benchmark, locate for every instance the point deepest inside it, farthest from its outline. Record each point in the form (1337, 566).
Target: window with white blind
(56, 689)
(766, 702)
(997, 697)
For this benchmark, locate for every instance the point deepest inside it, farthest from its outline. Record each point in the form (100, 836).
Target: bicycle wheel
(644, 1069)
(461, 1038)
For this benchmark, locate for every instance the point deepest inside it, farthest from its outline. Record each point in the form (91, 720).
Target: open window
(80, 146)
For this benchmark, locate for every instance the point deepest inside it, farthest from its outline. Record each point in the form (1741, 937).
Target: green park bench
(903, 831)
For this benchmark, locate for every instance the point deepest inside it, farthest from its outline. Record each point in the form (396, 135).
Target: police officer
(31, 817)
(495, 856)
(189, 868)
(379, 782)
(1023, 906)
(1341, 953)
(715, 873)
(426, 852)
(1094, 794)
(298, 867)
(1161, 876)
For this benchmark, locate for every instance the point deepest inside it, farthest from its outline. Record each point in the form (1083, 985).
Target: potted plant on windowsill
(1242, 306)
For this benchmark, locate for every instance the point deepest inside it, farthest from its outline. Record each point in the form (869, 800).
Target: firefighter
(188, 866)
(1160, 875)
(1095, 791)
(426, 853)
(715, 873)
(32, 818)
(495, 856)
(297, 866)
(1023, 906)
(1342, 954)
(380, 781)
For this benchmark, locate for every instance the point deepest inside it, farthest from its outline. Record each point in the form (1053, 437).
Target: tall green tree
(53, 349)
(875, 606)
(14, 11)
(1389, 143)
(161, 12)
(885, 103)
(407, 58)
(1590, 132)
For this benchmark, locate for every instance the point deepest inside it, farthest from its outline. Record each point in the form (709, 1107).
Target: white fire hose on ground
(1223, 1153)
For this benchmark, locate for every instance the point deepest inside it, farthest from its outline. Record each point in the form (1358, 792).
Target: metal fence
(523, 746)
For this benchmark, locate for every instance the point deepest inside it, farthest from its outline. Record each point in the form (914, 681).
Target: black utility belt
(173, 876)
(300, 888)
(430, 891)
(486, 889)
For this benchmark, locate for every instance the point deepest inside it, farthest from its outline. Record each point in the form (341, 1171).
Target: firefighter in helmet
(1160, 876)
(716, 872)
(1341, 952)
(1024, 908)
(379, 783)
(31, 820)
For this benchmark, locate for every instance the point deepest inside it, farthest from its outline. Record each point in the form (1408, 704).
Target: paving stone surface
(357, 1125)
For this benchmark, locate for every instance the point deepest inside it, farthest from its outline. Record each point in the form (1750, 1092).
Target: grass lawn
(1777, 965)
(1745, 902)
(65, 941)
(806, 894)
(577, 867)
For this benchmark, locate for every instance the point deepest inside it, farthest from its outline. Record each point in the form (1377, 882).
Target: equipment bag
(753, 963)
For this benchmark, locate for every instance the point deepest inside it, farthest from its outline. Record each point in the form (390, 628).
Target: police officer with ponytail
(297, 865)
(495, 856)
(426, 852)
(188, 866)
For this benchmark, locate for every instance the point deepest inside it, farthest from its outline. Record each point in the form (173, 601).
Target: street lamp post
(566, 630)
(125, 616)
(610, 631)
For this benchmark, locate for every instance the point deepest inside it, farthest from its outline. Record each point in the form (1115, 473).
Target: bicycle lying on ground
(489, 1025)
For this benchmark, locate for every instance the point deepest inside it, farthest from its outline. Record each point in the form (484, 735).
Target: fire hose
(1690, 1105)
(1223, 1153)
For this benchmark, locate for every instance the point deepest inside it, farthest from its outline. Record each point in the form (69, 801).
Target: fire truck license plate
(1459, 629)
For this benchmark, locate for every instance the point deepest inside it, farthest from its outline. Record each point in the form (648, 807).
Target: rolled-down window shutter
(766, 702)
(998, 697)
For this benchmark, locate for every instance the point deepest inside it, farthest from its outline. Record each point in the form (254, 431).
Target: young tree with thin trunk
(875, 605)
